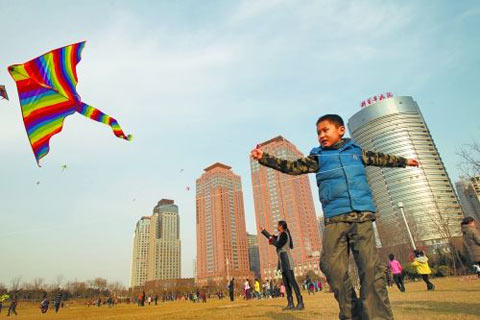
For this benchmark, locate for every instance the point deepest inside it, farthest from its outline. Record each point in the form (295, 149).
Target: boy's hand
(257, 154)
(412, 163)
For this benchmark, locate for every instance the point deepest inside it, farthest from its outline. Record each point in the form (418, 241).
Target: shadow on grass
(442, 307)
(285, 315)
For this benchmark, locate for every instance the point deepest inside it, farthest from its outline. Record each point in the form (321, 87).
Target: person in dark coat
(57, 300)
(231, 289)
(471, 237)
(284, 243)
(13, 306)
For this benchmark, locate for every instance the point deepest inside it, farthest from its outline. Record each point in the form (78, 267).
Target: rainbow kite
(3, 92)
(47, 92)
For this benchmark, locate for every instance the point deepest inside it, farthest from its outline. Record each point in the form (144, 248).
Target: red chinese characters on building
(375, 99)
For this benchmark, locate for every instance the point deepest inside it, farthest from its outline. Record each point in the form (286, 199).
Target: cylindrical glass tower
(396, 126)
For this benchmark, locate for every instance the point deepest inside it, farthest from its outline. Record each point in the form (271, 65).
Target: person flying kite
(3, 92)
(47, 91)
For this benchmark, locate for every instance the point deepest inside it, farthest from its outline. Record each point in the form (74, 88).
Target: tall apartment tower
(253, 255)
(141, 241)
(468, 190)
(164, 248)
(395, 125)
(278, 196)
(221, 235)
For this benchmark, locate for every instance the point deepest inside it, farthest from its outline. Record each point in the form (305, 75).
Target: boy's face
(329, 133)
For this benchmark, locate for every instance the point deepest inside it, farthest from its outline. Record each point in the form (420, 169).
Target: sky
(196, 82)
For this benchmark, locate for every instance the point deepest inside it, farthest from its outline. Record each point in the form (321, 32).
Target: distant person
(319, 284)
(144, 296)
(397, 272)
(282, 290)
(44, 304)
(388, 276)
(284, 244)
(3, 297)
(471, 237)
(423, 269)
(247, 289)
(57, 301)
(13, 306)
(231, 289)
(155, 299)
(256, 286)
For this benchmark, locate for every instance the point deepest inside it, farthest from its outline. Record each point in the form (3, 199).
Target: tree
(470, 155)
(98, 283)
(116, 288)
(38, 283)
(444, 224)
(15, 283)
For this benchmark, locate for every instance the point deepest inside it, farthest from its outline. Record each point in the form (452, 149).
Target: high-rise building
(164, 249)
(221, 236)
(195, 268)
(253, 256)
(468, 190)
(395, 125)
(321, 225)
(141, 241)
(278, 196)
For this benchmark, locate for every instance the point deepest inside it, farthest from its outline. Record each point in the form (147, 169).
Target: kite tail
(97, 115)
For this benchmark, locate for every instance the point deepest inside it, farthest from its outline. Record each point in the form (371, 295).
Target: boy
(349, 211)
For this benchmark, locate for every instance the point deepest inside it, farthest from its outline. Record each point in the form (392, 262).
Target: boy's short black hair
(333, 118)
(467, 220)
(391, 256)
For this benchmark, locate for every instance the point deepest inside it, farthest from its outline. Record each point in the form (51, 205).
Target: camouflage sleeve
(300, 166)
(379, 159)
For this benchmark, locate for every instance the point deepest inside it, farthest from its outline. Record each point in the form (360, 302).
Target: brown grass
(454, 298)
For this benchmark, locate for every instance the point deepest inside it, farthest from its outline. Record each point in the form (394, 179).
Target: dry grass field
(454, 298)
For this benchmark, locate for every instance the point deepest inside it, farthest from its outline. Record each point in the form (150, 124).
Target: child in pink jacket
(397, 269)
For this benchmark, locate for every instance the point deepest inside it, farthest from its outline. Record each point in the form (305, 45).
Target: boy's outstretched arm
(300, 166)
(371, 158)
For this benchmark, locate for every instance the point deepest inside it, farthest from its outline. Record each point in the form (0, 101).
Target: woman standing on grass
(471, 237)
(284, 243)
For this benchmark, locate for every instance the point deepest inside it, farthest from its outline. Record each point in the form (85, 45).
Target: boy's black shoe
(290, 305)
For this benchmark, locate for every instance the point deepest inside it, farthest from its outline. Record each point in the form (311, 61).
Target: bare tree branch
(470, 159)
(15, 283)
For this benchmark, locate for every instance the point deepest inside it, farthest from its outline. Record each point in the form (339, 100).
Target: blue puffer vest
(342, 181)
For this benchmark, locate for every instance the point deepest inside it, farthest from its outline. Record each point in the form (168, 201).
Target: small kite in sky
(188, 188)
(38, 182)
(47, 91)
(3, 92)
(64, 167)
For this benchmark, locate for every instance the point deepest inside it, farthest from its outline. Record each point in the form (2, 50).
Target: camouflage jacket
(310, 164)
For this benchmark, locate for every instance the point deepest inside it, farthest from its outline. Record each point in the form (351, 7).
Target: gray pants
(339, 239)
